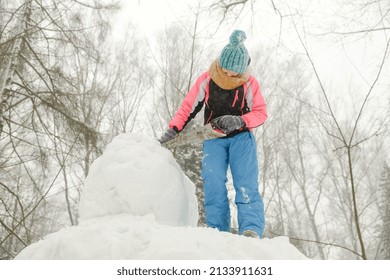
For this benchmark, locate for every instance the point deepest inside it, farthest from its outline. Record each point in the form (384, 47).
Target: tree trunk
(13, 64)
(355, 210)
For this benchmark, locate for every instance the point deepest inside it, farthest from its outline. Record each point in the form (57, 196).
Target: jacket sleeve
(256, 104)
(192, 103)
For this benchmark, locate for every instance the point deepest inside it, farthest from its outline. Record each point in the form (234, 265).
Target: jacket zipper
(243, 100)
(211, 114)
(235, 99)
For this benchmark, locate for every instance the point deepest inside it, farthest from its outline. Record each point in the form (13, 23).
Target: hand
(168, 135)
(228, 123)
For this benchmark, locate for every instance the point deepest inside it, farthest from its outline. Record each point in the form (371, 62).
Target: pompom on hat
(234, 55)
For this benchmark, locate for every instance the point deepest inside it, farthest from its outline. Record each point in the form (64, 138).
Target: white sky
(341, 61)
(261, 26)
(149, 15)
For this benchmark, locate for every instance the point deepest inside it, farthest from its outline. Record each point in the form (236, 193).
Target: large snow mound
(130, 237)
(138, 204)
(135, 175)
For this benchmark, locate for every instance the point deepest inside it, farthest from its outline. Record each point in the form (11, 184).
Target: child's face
(230, 73)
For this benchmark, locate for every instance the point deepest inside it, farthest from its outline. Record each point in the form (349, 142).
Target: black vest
(224, 102)
(220, 102)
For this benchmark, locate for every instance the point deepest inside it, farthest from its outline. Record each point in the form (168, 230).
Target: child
(234, 104)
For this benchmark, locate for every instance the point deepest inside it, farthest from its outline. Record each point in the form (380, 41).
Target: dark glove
(228, 123)
(168, 135)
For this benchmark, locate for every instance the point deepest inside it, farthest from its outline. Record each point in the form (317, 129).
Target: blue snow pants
(239, 152)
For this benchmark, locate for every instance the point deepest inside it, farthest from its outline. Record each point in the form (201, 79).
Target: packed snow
(138, 204)
(136, 176)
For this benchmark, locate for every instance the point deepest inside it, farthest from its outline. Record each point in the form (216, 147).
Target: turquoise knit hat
(234, 55)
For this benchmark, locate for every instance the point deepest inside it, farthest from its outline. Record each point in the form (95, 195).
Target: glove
(168, 135)
(228, 123)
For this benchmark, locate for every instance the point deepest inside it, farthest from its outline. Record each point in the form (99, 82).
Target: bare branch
(369, 92)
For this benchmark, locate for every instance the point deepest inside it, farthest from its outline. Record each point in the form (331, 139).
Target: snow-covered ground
(138, 204)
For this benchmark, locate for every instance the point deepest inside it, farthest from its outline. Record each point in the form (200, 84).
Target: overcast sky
(346, 63)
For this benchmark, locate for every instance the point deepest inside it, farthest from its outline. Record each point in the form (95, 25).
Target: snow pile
(136, 176)
(138, 204)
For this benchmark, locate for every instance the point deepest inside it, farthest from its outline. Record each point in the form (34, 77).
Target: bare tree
(347, 139)
(179, 61)
(40, 126)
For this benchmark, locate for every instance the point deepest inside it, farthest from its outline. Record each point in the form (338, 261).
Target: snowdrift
(138, 204)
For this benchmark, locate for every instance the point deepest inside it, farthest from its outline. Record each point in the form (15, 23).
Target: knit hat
(234, 55)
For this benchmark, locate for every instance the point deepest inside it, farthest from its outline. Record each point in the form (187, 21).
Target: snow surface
(136, 176)
(138, 204)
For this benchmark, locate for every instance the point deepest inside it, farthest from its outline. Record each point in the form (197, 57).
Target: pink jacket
(246, 101)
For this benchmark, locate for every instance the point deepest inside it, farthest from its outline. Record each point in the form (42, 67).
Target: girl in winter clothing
(234, 104)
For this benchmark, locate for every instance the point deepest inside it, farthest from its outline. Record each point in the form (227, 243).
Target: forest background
(76, 73)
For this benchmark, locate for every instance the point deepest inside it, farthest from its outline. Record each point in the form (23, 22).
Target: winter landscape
(138, 204)
(87, 86)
